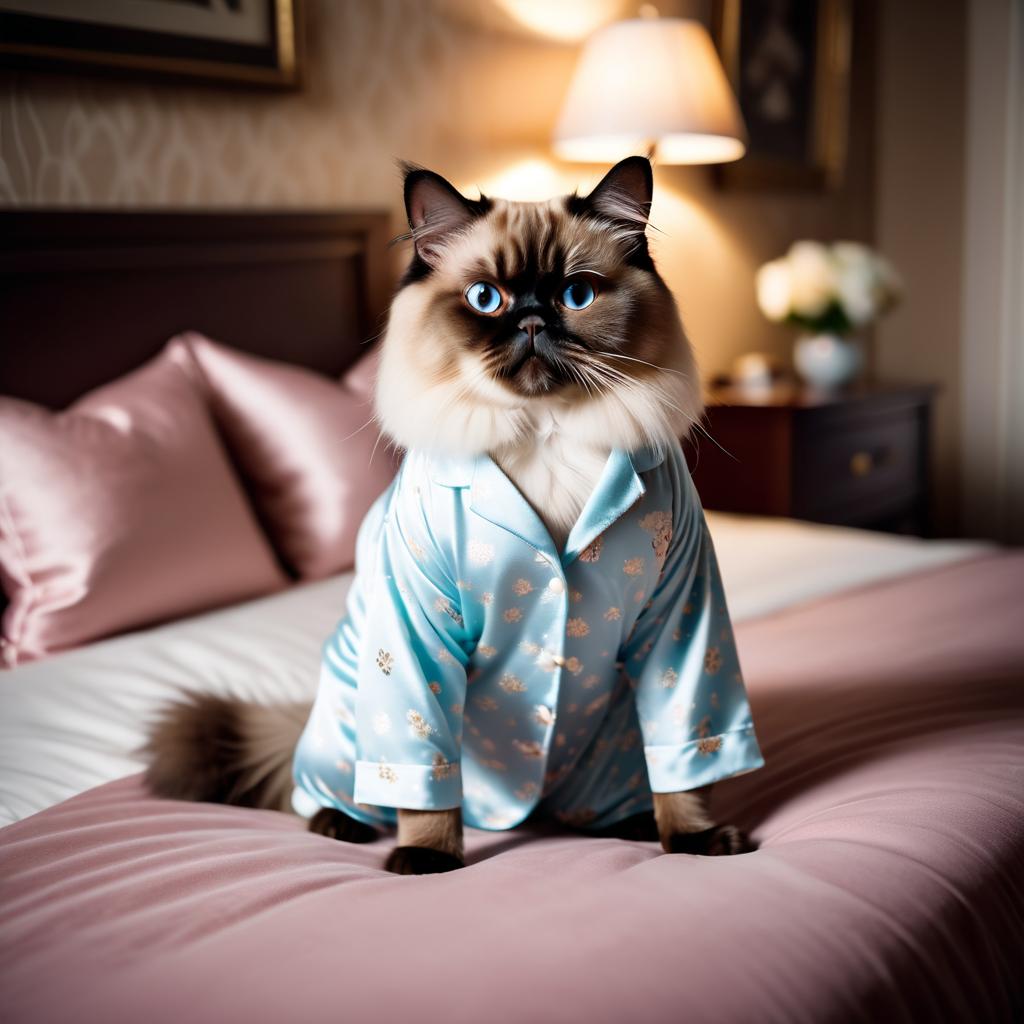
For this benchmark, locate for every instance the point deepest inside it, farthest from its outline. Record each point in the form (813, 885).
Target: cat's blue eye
(484, 298)
(578, 294)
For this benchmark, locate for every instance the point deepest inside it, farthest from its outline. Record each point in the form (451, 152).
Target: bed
(885, 676)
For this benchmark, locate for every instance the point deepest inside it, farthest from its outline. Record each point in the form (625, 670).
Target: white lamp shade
(650, 81)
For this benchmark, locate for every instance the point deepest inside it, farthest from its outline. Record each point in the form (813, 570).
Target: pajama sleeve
(411, 670)
(681, 658)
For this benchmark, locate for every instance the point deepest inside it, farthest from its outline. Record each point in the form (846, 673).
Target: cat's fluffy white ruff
(554, 471)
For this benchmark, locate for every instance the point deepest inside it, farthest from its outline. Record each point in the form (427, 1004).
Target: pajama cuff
(703, 761)
(419, 787)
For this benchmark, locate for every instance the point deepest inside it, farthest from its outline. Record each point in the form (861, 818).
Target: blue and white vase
(827, 362)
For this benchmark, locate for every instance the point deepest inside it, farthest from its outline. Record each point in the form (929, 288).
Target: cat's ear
(624, 193)
(435, 209)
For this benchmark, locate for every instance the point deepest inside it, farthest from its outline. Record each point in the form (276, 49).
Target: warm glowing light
(651, 82)
(669, 149)
(567, 20)
(530, 180)
(698, 149)
(707, 263)
(685, 227)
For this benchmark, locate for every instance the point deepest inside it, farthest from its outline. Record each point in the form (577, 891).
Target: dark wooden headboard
(86, 297)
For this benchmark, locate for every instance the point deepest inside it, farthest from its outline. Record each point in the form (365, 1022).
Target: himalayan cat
(542, 335)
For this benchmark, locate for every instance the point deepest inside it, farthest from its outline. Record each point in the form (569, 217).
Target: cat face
(509, 306)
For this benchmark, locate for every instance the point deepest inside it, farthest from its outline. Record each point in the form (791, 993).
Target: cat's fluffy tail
(225, 750)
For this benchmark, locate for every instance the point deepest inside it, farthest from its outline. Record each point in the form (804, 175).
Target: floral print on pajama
(477, 666)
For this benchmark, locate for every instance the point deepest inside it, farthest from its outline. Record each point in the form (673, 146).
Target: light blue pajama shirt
(477, 667)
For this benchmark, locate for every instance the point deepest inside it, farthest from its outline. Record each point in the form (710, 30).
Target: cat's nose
(532, 324)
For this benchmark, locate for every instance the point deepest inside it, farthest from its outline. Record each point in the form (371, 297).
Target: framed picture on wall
(245, 42)
(789, 65)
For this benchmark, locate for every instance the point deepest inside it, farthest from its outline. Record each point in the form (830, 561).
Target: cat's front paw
(336, 824)
(419, 860)
(717, 841)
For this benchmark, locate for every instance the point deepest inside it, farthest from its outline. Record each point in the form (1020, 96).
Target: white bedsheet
(771, 564)
(74, 721)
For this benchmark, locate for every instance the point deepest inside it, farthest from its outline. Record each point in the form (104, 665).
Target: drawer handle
(862, 463)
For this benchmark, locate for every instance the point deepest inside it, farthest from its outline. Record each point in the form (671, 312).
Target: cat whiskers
(643, 362)
(694, 423)
(613, 374)
(620, 387)
(358, 430)
(574, 371)
(579, 359)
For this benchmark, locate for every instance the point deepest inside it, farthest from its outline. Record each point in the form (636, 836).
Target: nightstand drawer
(856, 458)
(856, 471)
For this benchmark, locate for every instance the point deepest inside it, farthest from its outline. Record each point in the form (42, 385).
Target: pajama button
(544, 714)
(556, 586)
(551, 661)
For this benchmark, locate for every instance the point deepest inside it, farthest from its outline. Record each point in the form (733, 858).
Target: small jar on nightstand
(856, 458)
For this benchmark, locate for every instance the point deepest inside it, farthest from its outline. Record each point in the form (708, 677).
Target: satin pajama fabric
(478, 667)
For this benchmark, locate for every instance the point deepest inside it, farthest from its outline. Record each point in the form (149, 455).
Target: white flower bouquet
(827, 289)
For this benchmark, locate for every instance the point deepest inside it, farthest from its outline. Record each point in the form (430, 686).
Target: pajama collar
(494, 497)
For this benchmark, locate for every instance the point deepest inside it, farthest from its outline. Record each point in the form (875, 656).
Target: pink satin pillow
(307, 446)
(119, 512)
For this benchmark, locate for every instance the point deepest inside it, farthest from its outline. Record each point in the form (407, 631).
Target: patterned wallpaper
(453, 84)
(385, 79)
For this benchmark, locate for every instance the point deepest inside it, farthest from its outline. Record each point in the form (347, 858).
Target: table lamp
(653, 85)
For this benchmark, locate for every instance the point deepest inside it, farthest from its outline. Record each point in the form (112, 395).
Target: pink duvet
(889, 884)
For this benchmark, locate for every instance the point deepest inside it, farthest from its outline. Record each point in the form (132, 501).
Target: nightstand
(856, 458)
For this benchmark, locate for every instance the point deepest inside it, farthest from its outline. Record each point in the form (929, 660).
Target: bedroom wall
(920, 212)
(455, 84)
(992, 357)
